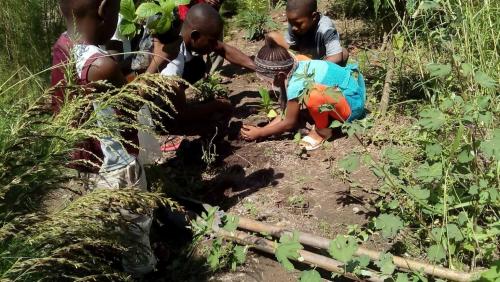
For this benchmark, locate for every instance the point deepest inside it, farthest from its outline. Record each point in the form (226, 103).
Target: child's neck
(78, 34)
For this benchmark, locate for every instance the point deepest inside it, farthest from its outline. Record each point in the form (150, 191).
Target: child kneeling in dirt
(328, 91)
(311, 34)
(91, 23)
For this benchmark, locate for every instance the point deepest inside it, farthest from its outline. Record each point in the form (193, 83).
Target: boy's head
(94, 20)
(202, 29)
(302, 15)
(274, 63)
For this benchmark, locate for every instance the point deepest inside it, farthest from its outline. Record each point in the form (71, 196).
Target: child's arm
(234, 56)
(278, 126)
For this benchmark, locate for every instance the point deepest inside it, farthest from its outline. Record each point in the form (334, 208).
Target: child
(336, 93)
(311, 33)
(92, 23)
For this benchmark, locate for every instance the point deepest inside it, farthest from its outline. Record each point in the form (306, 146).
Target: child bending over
(327, 90)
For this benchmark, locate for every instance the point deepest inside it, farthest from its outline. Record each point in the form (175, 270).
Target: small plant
(267, 104)
(211, 87)
(256, 23)
(158, 16)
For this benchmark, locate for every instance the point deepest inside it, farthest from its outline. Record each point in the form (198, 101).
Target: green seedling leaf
(484, 80)
(231, 222)
(437, 233)
(436, 253)
(398, 41)
(310, 276)
(326, 108)
(465, 156)
(146, 10)
(168, 6)
(394, 156)
(350, 163)
(164, 24)
(335, 124)
(463, 218)
(492, 274)
(467, 69)
(454, 233)
(389, 224)
(182, 2)
(432, 119)
(402, 277)
(334, 93)
(433, 151)
(297, 137)
(343, 248)
(385, 264)
(288, 248)
(272, 114)
(127, 28)
(239, 255)
(428, 174)
(491, 148)
(127, 10)
(439, 70)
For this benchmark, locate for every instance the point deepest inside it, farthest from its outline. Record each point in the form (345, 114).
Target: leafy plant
(211, 87)
(288, 248)
(267, 104)
(256, 23)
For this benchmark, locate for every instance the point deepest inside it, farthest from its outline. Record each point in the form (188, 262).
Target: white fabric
(176, 66)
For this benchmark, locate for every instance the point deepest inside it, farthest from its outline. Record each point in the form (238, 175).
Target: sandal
(309, 144)
(171, 144)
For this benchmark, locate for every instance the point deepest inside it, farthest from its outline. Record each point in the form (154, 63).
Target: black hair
(304, 6)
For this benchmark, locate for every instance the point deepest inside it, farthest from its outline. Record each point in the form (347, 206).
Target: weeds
(211, 88)
(256, 23)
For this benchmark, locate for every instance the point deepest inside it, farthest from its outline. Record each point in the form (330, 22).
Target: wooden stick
(386, 92)
(310, 258)
(323, 243)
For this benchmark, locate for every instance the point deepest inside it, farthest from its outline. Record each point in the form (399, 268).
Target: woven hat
(272, 59)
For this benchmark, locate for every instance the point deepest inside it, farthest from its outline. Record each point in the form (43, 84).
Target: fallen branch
(307, 257)
(323, 243)
(386, 92)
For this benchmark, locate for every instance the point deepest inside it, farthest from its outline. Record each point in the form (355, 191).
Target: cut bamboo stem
(323, 243)
(310, 258)
(386, 92)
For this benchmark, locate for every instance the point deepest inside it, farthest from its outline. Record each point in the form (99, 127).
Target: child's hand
(250, 133)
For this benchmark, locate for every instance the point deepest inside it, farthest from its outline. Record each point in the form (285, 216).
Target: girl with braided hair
(328, 91)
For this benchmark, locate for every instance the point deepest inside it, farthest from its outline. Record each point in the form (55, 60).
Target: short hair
(304, 6)
(205, 19)
(78, 8)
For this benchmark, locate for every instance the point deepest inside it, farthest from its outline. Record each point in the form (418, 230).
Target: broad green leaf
(288, 248)
(385, 264)
(213, 258)
(127, 9)
(419, 193)
(272, 114)
(334, 93)
(398, 41)
(428, 174)
(326, 108)
(389, 224)
(436, 253)
(432, 119)
(491, 148)
(433, 151)
(467, 69)
(297, 137)
(394, 204)
(231, 222)
(394, 156)
(240, 254)
(465, 156)
(164, 24)
(335, 124)
(343, 248)
(463, 218)
(439, 70)
(484, 80)
(492, 274)
(168, 6)
(454, 233)
(146, 10)
(402, 277)
(437, 234)
(350, 163)
(127, 28)
(310, 276)
(428, 5)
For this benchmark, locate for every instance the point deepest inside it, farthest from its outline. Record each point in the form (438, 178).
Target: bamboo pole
(323, 243)
(310, 258)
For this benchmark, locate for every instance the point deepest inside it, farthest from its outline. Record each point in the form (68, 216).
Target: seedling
(266, 104)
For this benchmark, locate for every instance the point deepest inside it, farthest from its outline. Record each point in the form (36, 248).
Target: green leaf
(272, 114)
(385, 264)
(297, 137)
(343, 248)
(127, 10)
(146, 10)
(310, 276)
(394, 156)
(402, 277)
(335, 124)
(491, 148)
(288, 248)
(436, 253)
(419, 193)
(467, 69)
(454, 233)
(168, 6)
(484, 80)
(492, 274)
(433, 151)
(439, 70)
(350, 163)
(428, 174)
(230, 222)
(389, 224)
(182, 2)
(127, 28)
(334, 93)
(326, 108)
(463, 218)
(465, 156)
(164, 24)
(432, 119)
(239, 255)
(437, 234)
